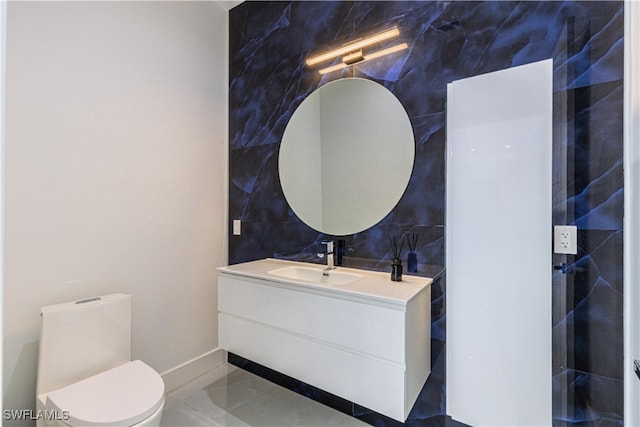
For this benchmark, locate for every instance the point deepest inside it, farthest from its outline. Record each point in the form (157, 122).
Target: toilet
(85, 373)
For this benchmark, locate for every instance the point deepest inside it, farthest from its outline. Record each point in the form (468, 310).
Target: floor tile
(242, 399)
(180, 414)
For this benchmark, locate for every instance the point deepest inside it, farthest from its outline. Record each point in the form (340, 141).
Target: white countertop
(374, 286)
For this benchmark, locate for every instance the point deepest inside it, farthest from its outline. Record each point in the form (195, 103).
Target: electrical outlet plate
(236, 227)
(565, 239)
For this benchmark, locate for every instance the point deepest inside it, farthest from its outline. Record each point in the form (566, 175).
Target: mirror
(346, 156)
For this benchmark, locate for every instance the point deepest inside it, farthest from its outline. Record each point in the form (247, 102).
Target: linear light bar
(374, 55)
(354, 46)
(383, 52)
(333, 68)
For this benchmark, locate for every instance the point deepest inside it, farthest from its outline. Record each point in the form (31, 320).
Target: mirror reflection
(346, 156)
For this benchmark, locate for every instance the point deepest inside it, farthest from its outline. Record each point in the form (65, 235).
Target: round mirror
(346, 156)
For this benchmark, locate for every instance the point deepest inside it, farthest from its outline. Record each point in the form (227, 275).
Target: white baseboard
(175, 378)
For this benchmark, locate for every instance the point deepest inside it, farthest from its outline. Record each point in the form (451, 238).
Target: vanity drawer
(341, 323)
(356, 377)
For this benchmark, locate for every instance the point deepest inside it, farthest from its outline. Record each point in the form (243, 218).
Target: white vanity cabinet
(367, 341)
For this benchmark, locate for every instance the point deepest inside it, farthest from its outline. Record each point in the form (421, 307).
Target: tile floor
(230, 396)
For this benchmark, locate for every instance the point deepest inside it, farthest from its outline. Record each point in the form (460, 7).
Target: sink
(316, 275)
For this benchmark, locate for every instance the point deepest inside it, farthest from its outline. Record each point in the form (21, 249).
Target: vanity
(350, 332)
(353, 333)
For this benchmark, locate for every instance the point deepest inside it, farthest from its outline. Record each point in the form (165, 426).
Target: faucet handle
(329, 244)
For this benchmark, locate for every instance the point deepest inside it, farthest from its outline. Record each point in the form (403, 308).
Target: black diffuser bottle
(396, 270)
(396, 263)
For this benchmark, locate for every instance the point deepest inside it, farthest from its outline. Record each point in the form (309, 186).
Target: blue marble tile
(598, 43)
(370, 244)
(588, 121)
(588, 331)
(596, 332)
(607, 255)
(448, 41)
(423, 201)
(254, 190)
(593, 399)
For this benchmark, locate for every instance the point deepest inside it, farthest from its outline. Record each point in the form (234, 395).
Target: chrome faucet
(329, 254)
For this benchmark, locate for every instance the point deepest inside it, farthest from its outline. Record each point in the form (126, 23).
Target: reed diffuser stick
(412, 241)
(396, 252)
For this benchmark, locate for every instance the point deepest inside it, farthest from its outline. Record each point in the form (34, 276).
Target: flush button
(84, 301)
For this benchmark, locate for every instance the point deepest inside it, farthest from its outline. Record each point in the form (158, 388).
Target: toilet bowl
(85, 373)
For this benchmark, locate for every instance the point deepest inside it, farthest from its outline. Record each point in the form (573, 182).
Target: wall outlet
(236, 227)
(565, 239)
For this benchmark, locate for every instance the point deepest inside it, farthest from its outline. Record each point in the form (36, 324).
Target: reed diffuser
(396, 263)
(412, 258)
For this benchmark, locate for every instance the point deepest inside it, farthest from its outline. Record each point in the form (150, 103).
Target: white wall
(115, 172)
(3, 39)
(632, 212)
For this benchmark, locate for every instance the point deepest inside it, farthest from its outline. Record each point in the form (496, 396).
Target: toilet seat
(122, 396)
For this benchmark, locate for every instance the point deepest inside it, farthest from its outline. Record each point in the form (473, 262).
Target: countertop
(374, 286)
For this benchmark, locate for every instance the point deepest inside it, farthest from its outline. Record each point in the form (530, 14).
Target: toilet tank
(82, 338)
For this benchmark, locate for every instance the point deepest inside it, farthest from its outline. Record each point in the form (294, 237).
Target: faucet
(330, 263)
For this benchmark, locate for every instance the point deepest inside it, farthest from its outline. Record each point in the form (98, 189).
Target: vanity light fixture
(353, 53)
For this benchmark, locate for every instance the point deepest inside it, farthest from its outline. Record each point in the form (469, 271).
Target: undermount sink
(316, 275)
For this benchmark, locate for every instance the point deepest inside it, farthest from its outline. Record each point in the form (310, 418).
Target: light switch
(236, 227)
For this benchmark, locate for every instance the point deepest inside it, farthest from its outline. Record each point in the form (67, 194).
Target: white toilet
(85, 373)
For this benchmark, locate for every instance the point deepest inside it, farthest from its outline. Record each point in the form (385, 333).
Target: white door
(498, 243)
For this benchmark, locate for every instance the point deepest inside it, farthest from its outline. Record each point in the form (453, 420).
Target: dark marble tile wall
(448, 41)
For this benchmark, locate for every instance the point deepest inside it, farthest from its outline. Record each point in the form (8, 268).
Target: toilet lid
(121, 396)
